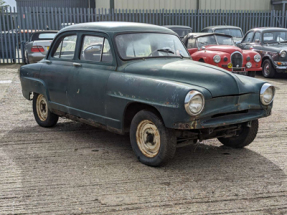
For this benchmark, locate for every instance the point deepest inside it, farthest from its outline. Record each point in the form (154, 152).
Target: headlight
(249, 65)
(194, 103)
(282, 53)
(267, 94)
(257, 58)
(216, 58)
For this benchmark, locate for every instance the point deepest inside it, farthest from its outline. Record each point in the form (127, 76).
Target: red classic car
(220, 50)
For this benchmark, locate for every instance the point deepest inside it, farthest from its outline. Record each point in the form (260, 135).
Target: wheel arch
(132, 109)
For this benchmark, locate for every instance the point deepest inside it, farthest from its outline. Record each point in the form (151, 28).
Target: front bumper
(229, 110)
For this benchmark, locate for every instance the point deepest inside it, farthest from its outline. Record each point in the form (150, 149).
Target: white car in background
(38, 45)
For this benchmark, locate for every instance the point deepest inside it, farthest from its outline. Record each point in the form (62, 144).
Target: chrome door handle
(77, 64)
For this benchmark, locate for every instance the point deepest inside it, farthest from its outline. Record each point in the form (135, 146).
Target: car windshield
(149, 45)
(275, 37)
(230, 31)
(214, 40)
(181, 31)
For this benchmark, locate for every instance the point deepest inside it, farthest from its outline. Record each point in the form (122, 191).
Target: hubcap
(42, 108)
(266, 69)
(148, 138)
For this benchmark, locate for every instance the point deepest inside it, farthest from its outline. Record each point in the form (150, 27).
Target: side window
(248, 37)
(257, 36)
(204, 30)
(191, 44)
(66, 48)
(96, 49)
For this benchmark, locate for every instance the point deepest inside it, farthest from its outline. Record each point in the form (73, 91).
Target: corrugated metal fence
(17, 27)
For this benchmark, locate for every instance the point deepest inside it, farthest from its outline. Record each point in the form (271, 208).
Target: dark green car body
(109, 94)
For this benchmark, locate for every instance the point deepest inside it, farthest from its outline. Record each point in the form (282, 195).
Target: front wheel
(245, 137)
(267, 69)
(43, 116)
(152, 142)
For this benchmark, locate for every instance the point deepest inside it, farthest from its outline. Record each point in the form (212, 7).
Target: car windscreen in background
(182, 32)
(230, 31)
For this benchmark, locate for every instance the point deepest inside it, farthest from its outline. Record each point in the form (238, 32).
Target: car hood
(276, 47)
(223, 48)
(217, 81)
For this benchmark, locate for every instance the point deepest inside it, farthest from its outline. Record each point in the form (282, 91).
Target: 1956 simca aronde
(139, 79)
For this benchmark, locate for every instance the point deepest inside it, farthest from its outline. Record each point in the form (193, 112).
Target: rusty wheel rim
(42, 108)
(148, 138)
(266, 69)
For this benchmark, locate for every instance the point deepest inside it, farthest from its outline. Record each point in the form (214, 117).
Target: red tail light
(37, 49)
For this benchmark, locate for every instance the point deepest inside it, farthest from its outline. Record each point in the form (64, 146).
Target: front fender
(166, 96)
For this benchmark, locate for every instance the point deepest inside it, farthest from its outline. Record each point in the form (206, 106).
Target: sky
(11, 3)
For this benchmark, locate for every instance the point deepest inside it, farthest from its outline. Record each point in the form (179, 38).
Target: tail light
(37, 49)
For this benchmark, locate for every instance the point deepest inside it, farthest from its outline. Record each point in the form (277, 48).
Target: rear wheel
(268, 70)
(152, 142)
(43, 116)
(245, 137)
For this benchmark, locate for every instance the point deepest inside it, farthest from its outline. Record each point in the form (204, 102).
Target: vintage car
(38, 45)
(271, 44)
(234, 31)
(181, 30)
(220, 50)
(143, 82)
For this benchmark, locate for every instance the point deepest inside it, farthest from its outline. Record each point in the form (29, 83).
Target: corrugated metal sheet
(187, 4)
(53, 3)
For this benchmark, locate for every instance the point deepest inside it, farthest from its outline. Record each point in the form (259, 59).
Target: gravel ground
(77, 169)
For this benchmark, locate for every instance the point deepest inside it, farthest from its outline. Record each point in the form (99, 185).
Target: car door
(58, 68)
(95, 62)
(246, 42)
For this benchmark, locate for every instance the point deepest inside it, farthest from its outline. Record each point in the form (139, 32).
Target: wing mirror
(257, 41)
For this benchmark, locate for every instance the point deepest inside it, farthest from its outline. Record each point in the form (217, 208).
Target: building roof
(117, 27)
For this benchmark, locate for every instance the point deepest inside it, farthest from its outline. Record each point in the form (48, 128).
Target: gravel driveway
(77, 169)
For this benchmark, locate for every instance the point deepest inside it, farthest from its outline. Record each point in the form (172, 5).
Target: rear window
(43, 36)
(230, 31)
(49, 36)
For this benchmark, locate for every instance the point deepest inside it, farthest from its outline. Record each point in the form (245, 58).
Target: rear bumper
(35, 57)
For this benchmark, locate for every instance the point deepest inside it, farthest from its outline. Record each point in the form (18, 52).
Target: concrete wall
(187, 4)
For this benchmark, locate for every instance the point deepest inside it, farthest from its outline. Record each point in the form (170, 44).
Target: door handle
(77, 64)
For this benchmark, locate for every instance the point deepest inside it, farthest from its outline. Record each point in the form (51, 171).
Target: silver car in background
(38, 45)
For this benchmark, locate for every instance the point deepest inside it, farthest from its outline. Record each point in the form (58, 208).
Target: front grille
(236, 60)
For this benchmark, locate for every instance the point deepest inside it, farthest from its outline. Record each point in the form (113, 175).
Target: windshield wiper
(165, 50)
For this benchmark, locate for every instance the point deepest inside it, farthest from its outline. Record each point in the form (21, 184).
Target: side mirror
(257, 41)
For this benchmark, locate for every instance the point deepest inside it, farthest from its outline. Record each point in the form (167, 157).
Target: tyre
(245, 137)
(251, 74)
(268, 70)
(153, 143)
(43, 116)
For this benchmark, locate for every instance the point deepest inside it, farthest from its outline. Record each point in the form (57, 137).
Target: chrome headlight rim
(257, 58)
(248, 65)
(263, 90)
(216, 58)
(188, 98)
(282, 53)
